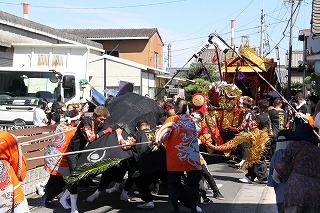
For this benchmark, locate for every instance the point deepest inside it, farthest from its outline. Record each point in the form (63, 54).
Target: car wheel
(19, 122)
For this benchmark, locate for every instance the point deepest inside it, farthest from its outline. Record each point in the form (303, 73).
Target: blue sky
(186, 24)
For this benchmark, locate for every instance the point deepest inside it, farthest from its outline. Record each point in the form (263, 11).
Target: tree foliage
(201, 78)
(193, 72)
(198, 86)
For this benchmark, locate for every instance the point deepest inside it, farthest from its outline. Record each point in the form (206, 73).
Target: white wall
(95, 75)
(148, 84)
(115, 72)
(70, 59)
(118, 71)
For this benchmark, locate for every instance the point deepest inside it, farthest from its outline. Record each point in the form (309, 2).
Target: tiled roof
(25, 24)
(315, 18)
(145, 33)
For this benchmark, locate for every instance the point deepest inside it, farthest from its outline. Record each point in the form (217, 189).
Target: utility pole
(169, 55)
(290, 53)
(278, 72)
(262, 35)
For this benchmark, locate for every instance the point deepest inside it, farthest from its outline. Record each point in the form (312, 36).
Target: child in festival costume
(200, 104)
(13, 170)
(58, 165)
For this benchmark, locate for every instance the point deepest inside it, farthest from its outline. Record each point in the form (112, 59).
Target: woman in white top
(39, 116)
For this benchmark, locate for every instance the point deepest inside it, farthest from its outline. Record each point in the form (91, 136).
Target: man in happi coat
(12, 170)
(58, 165)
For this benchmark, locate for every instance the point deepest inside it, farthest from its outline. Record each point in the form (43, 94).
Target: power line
(227, 33)
(99, 8)
(10, 3)
(239, 13)
(283, 33)
(216, 21)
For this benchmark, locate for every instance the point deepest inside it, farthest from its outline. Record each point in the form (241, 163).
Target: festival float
(221, 104)
(239, 71)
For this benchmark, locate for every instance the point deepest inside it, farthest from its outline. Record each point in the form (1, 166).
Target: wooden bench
(34, 142)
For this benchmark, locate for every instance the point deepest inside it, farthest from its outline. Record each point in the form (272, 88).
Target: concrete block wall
(34, 176)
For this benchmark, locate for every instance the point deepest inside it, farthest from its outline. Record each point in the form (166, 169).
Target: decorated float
(239, 70)
(221, 104)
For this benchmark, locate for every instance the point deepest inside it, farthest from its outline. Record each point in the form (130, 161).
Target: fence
(34, 142)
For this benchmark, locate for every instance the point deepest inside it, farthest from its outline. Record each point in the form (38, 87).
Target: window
(156, 60)
(57, 60)
(114, 53)
(43, 60)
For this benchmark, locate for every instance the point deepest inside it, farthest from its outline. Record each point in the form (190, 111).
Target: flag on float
(241, 76)
(215, 59)
(203, 70)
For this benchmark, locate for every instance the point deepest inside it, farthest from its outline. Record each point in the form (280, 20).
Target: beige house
(143, 46)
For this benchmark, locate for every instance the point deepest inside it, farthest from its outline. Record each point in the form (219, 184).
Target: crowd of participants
(295, 166)
(293, 150)
(294, 172)
(79, 131)
(48, 113)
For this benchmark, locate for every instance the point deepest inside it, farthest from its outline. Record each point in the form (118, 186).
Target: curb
(248, 194)
(261, 198)
(268, 201)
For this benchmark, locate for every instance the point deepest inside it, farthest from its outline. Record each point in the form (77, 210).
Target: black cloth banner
(125, 112)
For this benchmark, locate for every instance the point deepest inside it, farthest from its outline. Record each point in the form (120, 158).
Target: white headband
(73, 118)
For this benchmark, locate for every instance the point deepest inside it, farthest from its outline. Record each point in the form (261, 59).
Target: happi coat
(12, 171)
(58, 165)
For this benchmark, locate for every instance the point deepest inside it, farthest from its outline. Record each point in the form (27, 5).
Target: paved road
(239, 197)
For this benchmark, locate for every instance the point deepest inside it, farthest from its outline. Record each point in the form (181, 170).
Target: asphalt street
(239, 197)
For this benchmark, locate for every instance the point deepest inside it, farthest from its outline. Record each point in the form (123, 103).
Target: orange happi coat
(12, 170)
(58, 165)
(178, 134)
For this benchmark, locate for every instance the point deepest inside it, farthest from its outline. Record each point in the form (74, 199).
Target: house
(311, 41)
(17, 30)
(177, 84)
(143, 46)
(144, 78)
(311, 38)
(14, 29)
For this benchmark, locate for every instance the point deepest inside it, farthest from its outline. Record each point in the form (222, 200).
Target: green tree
(199, 81)
(314, 80)
(295, 87)
(193, 71)
(198, 86)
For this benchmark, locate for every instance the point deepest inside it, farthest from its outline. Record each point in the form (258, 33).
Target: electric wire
(98, 8)
(291, 17)
(177, 1)
(238, 28)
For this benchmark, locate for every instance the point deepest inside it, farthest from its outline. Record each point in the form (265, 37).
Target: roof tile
(113, 33)
(43, 29)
